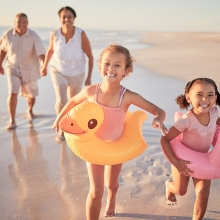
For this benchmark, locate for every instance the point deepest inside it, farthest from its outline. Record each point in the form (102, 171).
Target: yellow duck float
(80, 125)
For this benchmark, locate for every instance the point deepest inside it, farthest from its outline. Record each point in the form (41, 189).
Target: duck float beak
(82, 121)
(70, 126)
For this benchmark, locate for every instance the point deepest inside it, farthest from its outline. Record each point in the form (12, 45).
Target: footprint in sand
(136, 176)
(135, 192)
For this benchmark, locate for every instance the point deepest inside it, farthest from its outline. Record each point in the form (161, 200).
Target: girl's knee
(96, 193)
(112, 187)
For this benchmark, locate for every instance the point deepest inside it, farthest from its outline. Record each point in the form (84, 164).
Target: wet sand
(43, 179)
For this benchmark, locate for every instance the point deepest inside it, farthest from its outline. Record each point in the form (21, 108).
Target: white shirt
(68, 57)
(22, 54)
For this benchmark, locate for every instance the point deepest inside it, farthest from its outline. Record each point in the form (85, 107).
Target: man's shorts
(29, 90)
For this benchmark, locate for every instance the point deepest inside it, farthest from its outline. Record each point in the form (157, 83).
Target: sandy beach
(183, 55)
(43, 179)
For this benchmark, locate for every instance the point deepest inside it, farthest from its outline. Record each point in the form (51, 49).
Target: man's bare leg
(12, 104)
(30, 102)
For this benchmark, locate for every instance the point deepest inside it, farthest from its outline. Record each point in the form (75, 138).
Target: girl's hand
(182, 168)
(55, 126)
(159, 125)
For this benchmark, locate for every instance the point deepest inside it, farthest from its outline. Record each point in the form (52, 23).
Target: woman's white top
(68, 57)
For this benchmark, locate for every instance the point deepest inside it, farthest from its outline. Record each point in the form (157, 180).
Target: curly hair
(119, 49)
(181, 99)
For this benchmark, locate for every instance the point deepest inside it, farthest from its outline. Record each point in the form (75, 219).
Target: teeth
(204, 106)
(110, 75)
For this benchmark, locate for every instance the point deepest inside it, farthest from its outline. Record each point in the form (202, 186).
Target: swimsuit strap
(123, 89)
(121, 96)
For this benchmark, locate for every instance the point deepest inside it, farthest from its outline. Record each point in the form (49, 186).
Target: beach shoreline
(181, 54)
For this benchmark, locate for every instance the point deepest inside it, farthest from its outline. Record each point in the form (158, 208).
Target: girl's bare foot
(110, 208)
(170, 197)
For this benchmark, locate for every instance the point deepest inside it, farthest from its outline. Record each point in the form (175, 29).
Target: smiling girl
(115, 63)
(196, 130)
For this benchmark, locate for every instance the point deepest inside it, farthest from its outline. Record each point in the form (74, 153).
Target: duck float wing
(80, 125)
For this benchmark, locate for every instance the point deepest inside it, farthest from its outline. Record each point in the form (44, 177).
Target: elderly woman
(67, 48)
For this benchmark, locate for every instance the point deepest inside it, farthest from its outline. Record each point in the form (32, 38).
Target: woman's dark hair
(181, 99)
(69, 9)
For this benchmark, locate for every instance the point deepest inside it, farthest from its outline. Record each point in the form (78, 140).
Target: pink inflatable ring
(203, 165)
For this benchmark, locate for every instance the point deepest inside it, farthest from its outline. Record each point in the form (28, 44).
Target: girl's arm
(159, 113)
(168, 150)
(87, 50)
(218, 121)
(48, 55)
(75, 100)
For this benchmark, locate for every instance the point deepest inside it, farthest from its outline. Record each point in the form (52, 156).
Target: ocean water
(99, 39)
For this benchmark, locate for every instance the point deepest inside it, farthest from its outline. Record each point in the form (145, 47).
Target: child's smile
(204, 105)
(111, 75)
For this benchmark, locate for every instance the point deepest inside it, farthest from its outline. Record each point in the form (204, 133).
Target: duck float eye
(72, 124)
(92, 123)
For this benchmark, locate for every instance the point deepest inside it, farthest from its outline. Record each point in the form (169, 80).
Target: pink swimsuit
(195, 135)
(113, 124)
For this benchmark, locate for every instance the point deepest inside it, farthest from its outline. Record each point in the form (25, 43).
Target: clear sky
(143, 15)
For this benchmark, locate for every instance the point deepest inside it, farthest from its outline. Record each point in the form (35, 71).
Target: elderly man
(24, 50)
